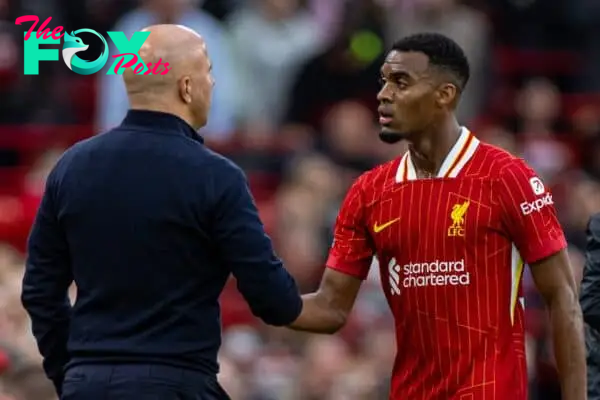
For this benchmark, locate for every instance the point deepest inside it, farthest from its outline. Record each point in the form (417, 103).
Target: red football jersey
(451, 251)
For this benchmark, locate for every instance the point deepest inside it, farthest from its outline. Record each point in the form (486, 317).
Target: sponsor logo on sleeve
(545, 199)
(537, 186)
(537, 205)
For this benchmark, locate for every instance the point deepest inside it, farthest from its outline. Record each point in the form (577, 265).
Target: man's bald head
(181, 80)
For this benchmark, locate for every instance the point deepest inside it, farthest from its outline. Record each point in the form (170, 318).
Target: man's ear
(185, 89)
(447, 95)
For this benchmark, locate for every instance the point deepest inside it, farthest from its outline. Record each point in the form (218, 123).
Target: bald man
(149, 224)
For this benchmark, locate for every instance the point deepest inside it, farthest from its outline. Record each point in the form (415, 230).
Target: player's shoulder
(378, 177)
(494, 162)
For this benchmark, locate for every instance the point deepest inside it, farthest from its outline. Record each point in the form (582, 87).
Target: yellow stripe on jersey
(467, 154)
(456, 153)
(459, 155)
(516, 270)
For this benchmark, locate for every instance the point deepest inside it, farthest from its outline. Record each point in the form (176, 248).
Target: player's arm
(326, 310)
(554, 280)
(532, 223)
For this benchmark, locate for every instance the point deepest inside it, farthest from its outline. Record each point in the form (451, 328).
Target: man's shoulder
(224, 174)
(70, 153)
(186, 152)
(221, 162)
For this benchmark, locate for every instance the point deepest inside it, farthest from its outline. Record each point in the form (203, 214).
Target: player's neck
(429, 151)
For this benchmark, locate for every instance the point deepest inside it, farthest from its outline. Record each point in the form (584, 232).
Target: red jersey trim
(544, 250)
(358, 269)
(402, 175)
(459, 155)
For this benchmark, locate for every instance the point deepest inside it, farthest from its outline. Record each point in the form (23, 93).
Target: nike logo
(379, 228)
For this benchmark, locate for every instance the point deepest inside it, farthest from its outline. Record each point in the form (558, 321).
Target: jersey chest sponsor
(427, 274)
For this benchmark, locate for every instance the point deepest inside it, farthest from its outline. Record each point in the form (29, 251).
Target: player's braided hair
(442, 51)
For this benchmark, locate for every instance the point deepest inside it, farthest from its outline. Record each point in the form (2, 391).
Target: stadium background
(294, 106)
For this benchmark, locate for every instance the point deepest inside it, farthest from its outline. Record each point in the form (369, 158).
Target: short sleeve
(528, 213)
(352, 250)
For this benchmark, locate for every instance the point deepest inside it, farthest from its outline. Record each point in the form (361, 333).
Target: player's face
(407, 99)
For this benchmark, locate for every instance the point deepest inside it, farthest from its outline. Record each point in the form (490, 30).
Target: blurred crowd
(294, 105)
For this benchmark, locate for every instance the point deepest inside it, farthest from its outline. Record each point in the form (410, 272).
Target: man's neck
(164, 108)
(431, 148)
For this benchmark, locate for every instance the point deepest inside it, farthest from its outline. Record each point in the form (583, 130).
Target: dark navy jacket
(149, 223)
(590, 304)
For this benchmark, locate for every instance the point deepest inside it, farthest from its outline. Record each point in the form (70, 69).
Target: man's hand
(553, 277)
(326, 310)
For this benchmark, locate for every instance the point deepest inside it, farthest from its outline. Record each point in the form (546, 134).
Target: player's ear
(447, 94)
(185, 89)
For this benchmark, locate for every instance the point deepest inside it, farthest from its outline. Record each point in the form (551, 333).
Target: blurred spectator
(17, 213)
(10, 66)
(300, 212)
(468, 27)
(583, 201)
(325, 359)
(583, 18)
(113, 101)
(29, 383)
(587, 128)
(328, 15)
(534, 24)
(346, 70)
(500, 137)
(538, 107)
(221, 9)
(350, 137)
(271, 40)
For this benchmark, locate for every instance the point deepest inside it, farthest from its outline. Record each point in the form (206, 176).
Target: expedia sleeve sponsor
(536, 205)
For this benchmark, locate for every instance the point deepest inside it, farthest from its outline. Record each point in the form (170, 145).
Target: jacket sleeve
(590, 285)
(247, 251)
(45, 287)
